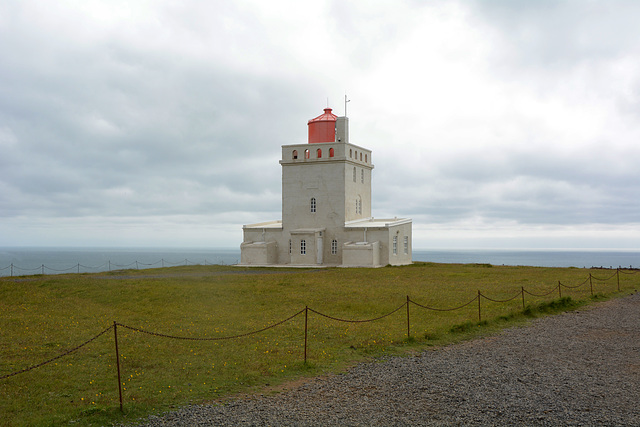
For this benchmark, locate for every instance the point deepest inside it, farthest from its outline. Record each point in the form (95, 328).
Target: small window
(362, 176)
(360, 156)
(354, 174)
(360, 206)
(406, 245)
(356, 155)
(334, 247)
(313, 205)
(289, 246)
(306, 154)
(294, 155)
(395, 245)
(319, 153)
(365, 159)
(331, 153)
(350, 153)
(303, 247)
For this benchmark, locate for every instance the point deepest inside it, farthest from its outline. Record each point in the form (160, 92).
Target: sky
(493, 124)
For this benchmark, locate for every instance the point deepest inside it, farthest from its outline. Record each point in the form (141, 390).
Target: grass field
(45, 316)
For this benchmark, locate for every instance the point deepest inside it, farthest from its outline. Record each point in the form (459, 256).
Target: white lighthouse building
(326, 208)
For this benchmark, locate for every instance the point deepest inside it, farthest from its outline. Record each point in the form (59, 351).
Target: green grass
(44, 316)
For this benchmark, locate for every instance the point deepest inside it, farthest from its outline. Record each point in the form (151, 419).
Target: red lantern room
(323, 127)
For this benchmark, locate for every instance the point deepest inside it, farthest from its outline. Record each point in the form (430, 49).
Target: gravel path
(579, 368)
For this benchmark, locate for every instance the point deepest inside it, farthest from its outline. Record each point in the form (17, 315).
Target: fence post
(522, 297)
(560, 289)
(590, 284)
(618, 277)
(408, 324)
(479, 313)
(137, 265)
(306, 311)
(42, 269)
(11, 269)
(115, 334)
(109, 265)
(78, 268)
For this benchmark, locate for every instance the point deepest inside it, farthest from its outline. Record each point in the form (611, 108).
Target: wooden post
(523, 298)
(618, 277)
(560, 289)
(115, 334)
(590, 284)
(479, 312)
(408, 324)
(306, 311)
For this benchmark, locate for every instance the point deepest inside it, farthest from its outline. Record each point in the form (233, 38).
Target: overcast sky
(493, 124)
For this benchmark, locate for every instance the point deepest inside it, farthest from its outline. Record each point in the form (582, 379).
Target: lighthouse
(326, 208)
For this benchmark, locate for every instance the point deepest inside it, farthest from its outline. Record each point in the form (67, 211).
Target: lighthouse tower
(326, 208)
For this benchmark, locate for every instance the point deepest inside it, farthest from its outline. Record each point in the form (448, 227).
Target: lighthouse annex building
(326, 208)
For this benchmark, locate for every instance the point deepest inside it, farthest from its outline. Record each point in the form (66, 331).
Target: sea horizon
(29, 260)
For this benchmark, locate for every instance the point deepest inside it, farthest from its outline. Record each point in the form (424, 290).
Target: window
(294, 154)
(289, 246)
(334, 247)
(362, 176)
(354, 174)
(395, 245)
(303, 247)
(406, 244)
(358, 205)
(331, 153)
(356, 155)
(319, 153)
(313, 205)
(306, 154)
(361, 156)
(350, 153)
(365, 159)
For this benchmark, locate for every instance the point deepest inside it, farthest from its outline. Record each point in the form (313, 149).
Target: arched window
(303, 247)
(306, 153)
(331, 152)
(294, 154)
(350, 152)
(365, 159)
(354, 174)
(355, 155)
(361, 156)
(334, 247)
(313, 205)
(289, 246)
(319, 153)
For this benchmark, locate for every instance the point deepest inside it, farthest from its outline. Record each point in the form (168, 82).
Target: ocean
(28, 261)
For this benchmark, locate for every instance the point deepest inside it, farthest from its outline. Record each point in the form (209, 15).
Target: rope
(211, 338)
(56, 357)
(445, 309)
(502, 300)
(613, 275)
(356, 321)
(541, 295)
(573, 287)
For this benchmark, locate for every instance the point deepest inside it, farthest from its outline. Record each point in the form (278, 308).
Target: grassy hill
(43, 317)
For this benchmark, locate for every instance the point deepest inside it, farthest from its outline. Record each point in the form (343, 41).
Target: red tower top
(323, 127)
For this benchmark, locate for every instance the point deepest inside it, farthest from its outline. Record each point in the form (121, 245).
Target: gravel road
(579, 368)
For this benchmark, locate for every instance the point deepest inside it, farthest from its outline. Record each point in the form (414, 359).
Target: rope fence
(43, 269)
(478, 298)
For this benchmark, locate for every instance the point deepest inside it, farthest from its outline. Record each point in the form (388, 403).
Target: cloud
(504, 115)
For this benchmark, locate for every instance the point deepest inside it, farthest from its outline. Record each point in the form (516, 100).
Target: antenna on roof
(345, 104)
